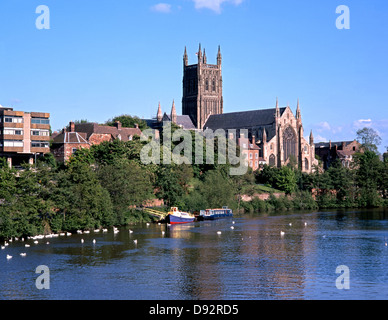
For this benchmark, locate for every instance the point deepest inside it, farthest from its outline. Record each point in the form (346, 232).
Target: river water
(252, 261)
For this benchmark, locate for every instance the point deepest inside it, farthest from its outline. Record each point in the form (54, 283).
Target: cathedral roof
(244, 119)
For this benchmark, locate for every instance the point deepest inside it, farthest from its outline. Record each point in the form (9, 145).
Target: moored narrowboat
(212, 214)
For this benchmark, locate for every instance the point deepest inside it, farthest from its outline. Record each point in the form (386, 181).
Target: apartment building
(24, 136)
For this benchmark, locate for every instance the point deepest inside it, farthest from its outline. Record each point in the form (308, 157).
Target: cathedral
(277, 132)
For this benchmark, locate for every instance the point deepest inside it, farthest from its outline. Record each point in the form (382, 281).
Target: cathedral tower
(202, 88)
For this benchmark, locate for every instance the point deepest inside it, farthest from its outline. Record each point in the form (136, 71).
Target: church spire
(298, 114)
(185, 58)
(277, 115)
(311, 138)
(200, 54)
(204, 57)
(264, 136)
(159, 115)
(219, 57)
(173, 115)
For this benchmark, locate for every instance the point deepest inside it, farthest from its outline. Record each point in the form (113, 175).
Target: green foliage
(128, 122)
(128, 185)
(369, 139)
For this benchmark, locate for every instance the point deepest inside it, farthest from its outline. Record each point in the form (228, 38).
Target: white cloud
(362, 123)
(214, 5)
(323, 126)
(162, 8)
(319, 138)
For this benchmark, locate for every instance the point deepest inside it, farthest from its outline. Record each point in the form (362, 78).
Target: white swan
(23, 254)
(104, 230)
(219, 232)
(82, 240)
(130, 231)
(27, 245)
(94, 240)
(232, 227)
(36, 242)
(282, 233)
(135, 241)
(9, 257)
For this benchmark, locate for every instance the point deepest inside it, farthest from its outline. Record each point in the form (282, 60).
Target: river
(252, 261)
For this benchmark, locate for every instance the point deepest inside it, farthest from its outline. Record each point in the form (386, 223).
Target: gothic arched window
(289, 143)
(207, 85)
(272, 160)
(306, 164)
(214, 84)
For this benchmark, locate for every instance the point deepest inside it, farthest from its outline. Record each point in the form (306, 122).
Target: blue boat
(212, 214)
(178, 217)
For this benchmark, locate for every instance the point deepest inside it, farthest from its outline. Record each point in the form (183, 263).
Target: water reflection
(251, 261)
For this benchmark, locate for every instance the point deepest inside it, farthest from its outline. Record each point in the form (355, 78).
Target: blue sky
(105, 58)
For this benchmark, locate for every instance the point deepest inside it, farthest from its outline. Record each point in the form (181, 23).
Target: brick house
(342, 150)
(251, 151)
(84, 135)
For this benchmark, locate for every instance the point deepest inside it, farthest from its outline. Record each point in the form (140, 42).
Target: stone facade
(277, 132)
(202, 88)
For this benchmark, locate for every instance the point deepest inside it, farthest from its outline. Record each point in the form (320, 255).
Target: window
(40, 121)
(256, 164)
(207, 85)
(12, 131)
(214, 84)
(306, 164)
(11, 143)
(9, 119)
(39, 144)
(250, 163)
(74, 150)
(250, 156)
(256, 155)
(130, 138)
(38, 132)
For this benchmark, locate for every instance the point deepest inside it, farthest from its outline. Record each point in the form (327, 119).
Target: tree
(369, 167)
(128, 122)
(128, 184)
(80, 200)
(369, 139)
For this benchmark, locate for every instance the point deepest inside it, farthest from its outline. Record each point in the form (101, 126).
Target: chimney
(136, 126)
(71, 126)
(253, 140)
(118, 125)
